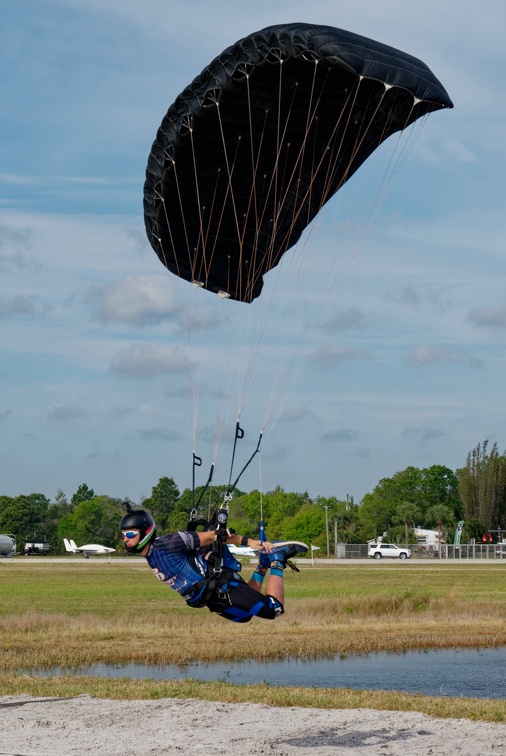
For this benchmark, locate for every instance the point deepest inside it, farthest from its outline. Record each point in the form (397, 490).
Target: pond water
(476, 673)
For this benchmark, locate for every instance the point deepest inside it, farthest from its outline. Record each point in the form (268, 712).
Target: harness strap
(215, 559)
(217, 582)
(209, 586)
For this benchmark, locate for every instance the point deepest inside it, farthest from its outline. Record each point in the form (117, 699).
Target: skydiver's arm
(207, 538)
(178, 542)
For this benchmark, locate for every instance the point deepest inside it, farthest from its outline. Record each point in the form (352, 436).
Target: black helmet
(139, 519)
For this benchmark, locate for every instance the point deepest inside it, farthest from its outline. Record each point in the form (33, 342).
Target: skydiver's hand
(262, 545)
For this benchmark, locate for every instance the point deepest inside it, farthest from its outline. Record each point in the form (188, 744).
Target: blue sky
(99, 380)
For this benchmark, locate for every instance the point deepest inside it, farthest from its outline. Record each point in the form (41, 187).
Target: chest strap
(213, 586)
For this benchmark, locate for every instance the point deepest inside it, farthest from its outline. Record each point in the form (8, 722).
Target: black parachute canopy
(252, 149)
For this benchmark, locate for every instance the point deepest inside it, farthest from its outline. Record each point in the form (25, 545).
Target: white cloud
(346, 320)
(139, 300)
(341, 434)
(447, 355)
(62, 412)
(117, 413)
(279, 453)
(490, 317)
(14, 245)
(14, 237)
(423, 433)
(460, 152)
(149, 361)
(23, 306)
(407, 296)
(160, 434)
(333, 354)
(295, 415)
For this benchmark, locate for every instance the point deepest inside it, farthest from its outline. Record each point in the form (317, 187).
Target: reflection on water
(468, 673)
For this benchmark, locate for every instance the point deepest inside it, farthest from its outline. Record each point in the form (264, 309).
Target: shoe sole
(288, 543)
(291, 543)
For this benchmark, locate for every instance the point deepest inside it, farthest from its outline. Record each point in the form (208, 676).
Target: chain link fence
(428, 551)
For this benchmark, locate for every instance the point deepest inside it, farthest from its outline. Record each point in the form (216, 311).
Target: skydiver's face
(131, 537)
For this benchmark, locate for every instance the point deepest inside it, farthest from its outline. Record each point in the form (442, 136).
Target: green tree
(60, 501)
(279, 505)
(406, 513)
(375, 514)
(441, 516)
(162, 502)
(92, 521)
(482, 486)
(56, 510)
(306, 525)
(5, 502)
(472, 529)
(24, 516)
(440, 485)
(83, 493)
(344, 518)
(245, 511)
(423, 488)
(377, 511)
(206, 501)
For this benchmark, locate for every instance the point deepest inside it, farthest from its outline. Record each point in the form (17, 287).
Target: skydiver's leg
(279, 557)
(264, 564)
(257, 579)
(243, 603)
(275, 585)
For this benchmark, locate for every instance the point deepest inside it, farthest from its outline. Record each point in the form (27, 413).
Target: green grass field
(77, 612)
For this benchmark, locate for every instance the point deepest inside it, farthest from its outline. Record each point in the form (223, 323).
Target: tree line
(434, 497)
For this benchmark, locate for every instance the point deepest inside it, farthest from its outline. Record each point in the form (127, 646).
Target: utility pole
(326, 508)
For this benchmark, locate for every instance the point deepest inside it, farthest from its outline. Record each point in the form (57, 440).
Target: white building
(428, 537)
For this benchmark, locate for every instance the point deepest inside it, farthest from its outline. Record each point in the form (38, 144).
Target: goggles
(130, 534)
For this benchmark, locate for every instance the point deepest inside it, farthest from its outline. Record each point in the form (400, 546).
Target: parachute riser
(197, 462)
(231, 485)
(239, 433)
(221, 537)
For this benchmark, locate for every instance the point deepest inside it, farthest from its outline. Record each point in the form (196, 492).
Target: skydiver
(182, 561)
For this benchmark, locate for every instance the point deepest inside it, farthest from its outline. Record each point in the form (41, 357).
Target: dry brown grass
(317, 627)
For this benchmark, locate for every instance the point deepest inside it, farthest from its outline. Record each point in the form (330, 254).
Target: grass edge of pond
(486, 710)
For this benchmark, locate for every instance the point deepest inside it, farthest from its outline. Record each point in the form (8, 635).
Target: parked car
(379, 550)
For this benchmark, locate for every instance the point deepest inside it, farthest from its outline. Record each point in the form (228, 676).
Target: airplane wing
(242, 550)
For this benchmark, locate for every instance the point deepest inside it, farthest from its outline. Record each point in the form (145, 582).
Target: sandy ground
(85, 725)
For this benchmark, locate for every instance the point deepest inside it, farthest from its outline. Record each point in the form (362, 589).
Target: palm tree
(406, 513)
(441, 515)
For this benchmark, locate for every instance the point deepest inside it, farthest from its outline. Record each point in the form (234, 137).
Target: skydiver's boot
(281, 554)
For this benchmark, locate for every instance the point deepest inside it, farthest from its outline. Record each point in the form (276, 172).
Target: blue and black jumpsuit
(176, 560)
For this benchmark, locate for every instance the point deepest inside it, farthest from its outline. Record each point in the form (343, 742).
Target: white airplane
(91, 548)
(242, 550)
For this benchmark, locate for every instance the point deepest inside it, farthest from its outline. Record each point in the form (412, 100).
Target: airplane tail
(73, 544)
(69, 545)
